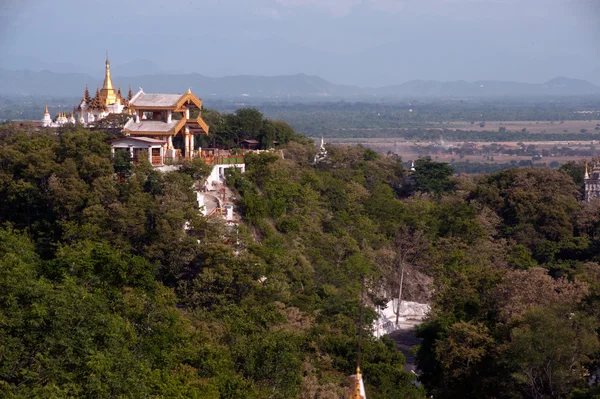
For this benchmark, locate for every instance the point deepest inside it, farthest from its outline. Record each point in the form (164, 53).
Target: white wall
(217, 175)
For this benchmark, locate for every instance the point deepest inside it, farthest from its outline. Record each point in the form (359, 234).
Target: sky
(354, 42)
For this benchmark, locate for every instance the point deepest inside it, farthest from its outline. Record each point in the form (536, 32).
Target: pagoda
(106, 101)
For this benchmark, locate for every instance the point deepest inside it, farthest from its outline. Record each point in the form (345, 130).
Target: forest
(112, 284)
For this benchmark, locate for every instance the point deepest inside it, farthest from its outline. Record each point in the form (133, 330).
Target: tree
(575, 170)
(537, 208)
(548, 351)
(409, 247)
(248, 122)
(432, 177)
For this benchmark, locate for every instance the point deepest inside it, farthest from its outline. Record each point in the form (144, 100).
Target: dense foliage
(112, 284)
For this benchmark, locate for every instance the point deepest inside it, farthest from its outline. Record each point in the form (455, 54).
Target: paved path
(405, 339)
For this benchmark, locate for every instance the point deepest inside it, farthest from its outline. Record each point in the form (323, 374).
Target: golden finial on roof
(356, 393)
(46, 111)
(108, 85)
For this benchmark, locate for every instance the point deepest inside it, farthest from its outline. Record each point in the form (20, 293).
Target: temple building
(592, 183)
(160, 117)
(167, 117)
(160, 126)
(106, 101)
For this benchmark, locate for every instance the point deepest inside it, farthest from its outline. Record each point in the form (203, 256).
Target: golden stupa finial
(108, 85)
(356, 394)
(46, 111)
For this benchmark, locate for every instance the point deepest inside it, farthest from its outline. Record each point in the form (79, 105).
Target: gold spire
(46, 111)
(356, 388)
(108, 85)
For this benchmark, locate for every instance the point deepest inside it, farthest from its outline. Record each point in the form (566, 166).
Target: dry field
(531, 126)
(410, 150)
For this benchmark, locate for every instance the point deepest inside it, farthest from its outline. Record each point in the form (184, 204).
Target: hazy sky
(364, 42)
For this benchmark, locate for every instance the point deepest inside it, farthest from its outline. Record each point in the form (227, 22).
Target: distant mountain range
(47, 83)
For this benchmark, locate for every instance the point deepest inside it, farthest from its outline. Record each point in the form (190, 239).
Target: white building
(135, 146)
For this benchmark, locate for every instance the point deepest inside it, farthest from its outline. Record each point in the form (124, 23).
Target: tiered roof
(144, 102)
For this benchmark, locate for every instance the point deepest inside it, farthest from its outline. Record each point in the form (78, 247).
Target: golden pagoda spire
(356, 394)
(108, 85)
(46, 111)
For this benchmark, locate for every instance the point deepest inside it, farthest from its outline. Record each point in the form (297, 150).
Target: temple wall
(217, 175)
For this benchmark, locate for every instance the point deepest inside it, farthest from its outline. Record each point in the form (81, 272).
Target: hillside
(112, 283)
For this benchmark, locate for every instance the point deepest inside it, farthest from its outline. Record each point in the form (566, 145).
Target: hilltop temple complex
(106, 101)
(162, 124)
(161, 127)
